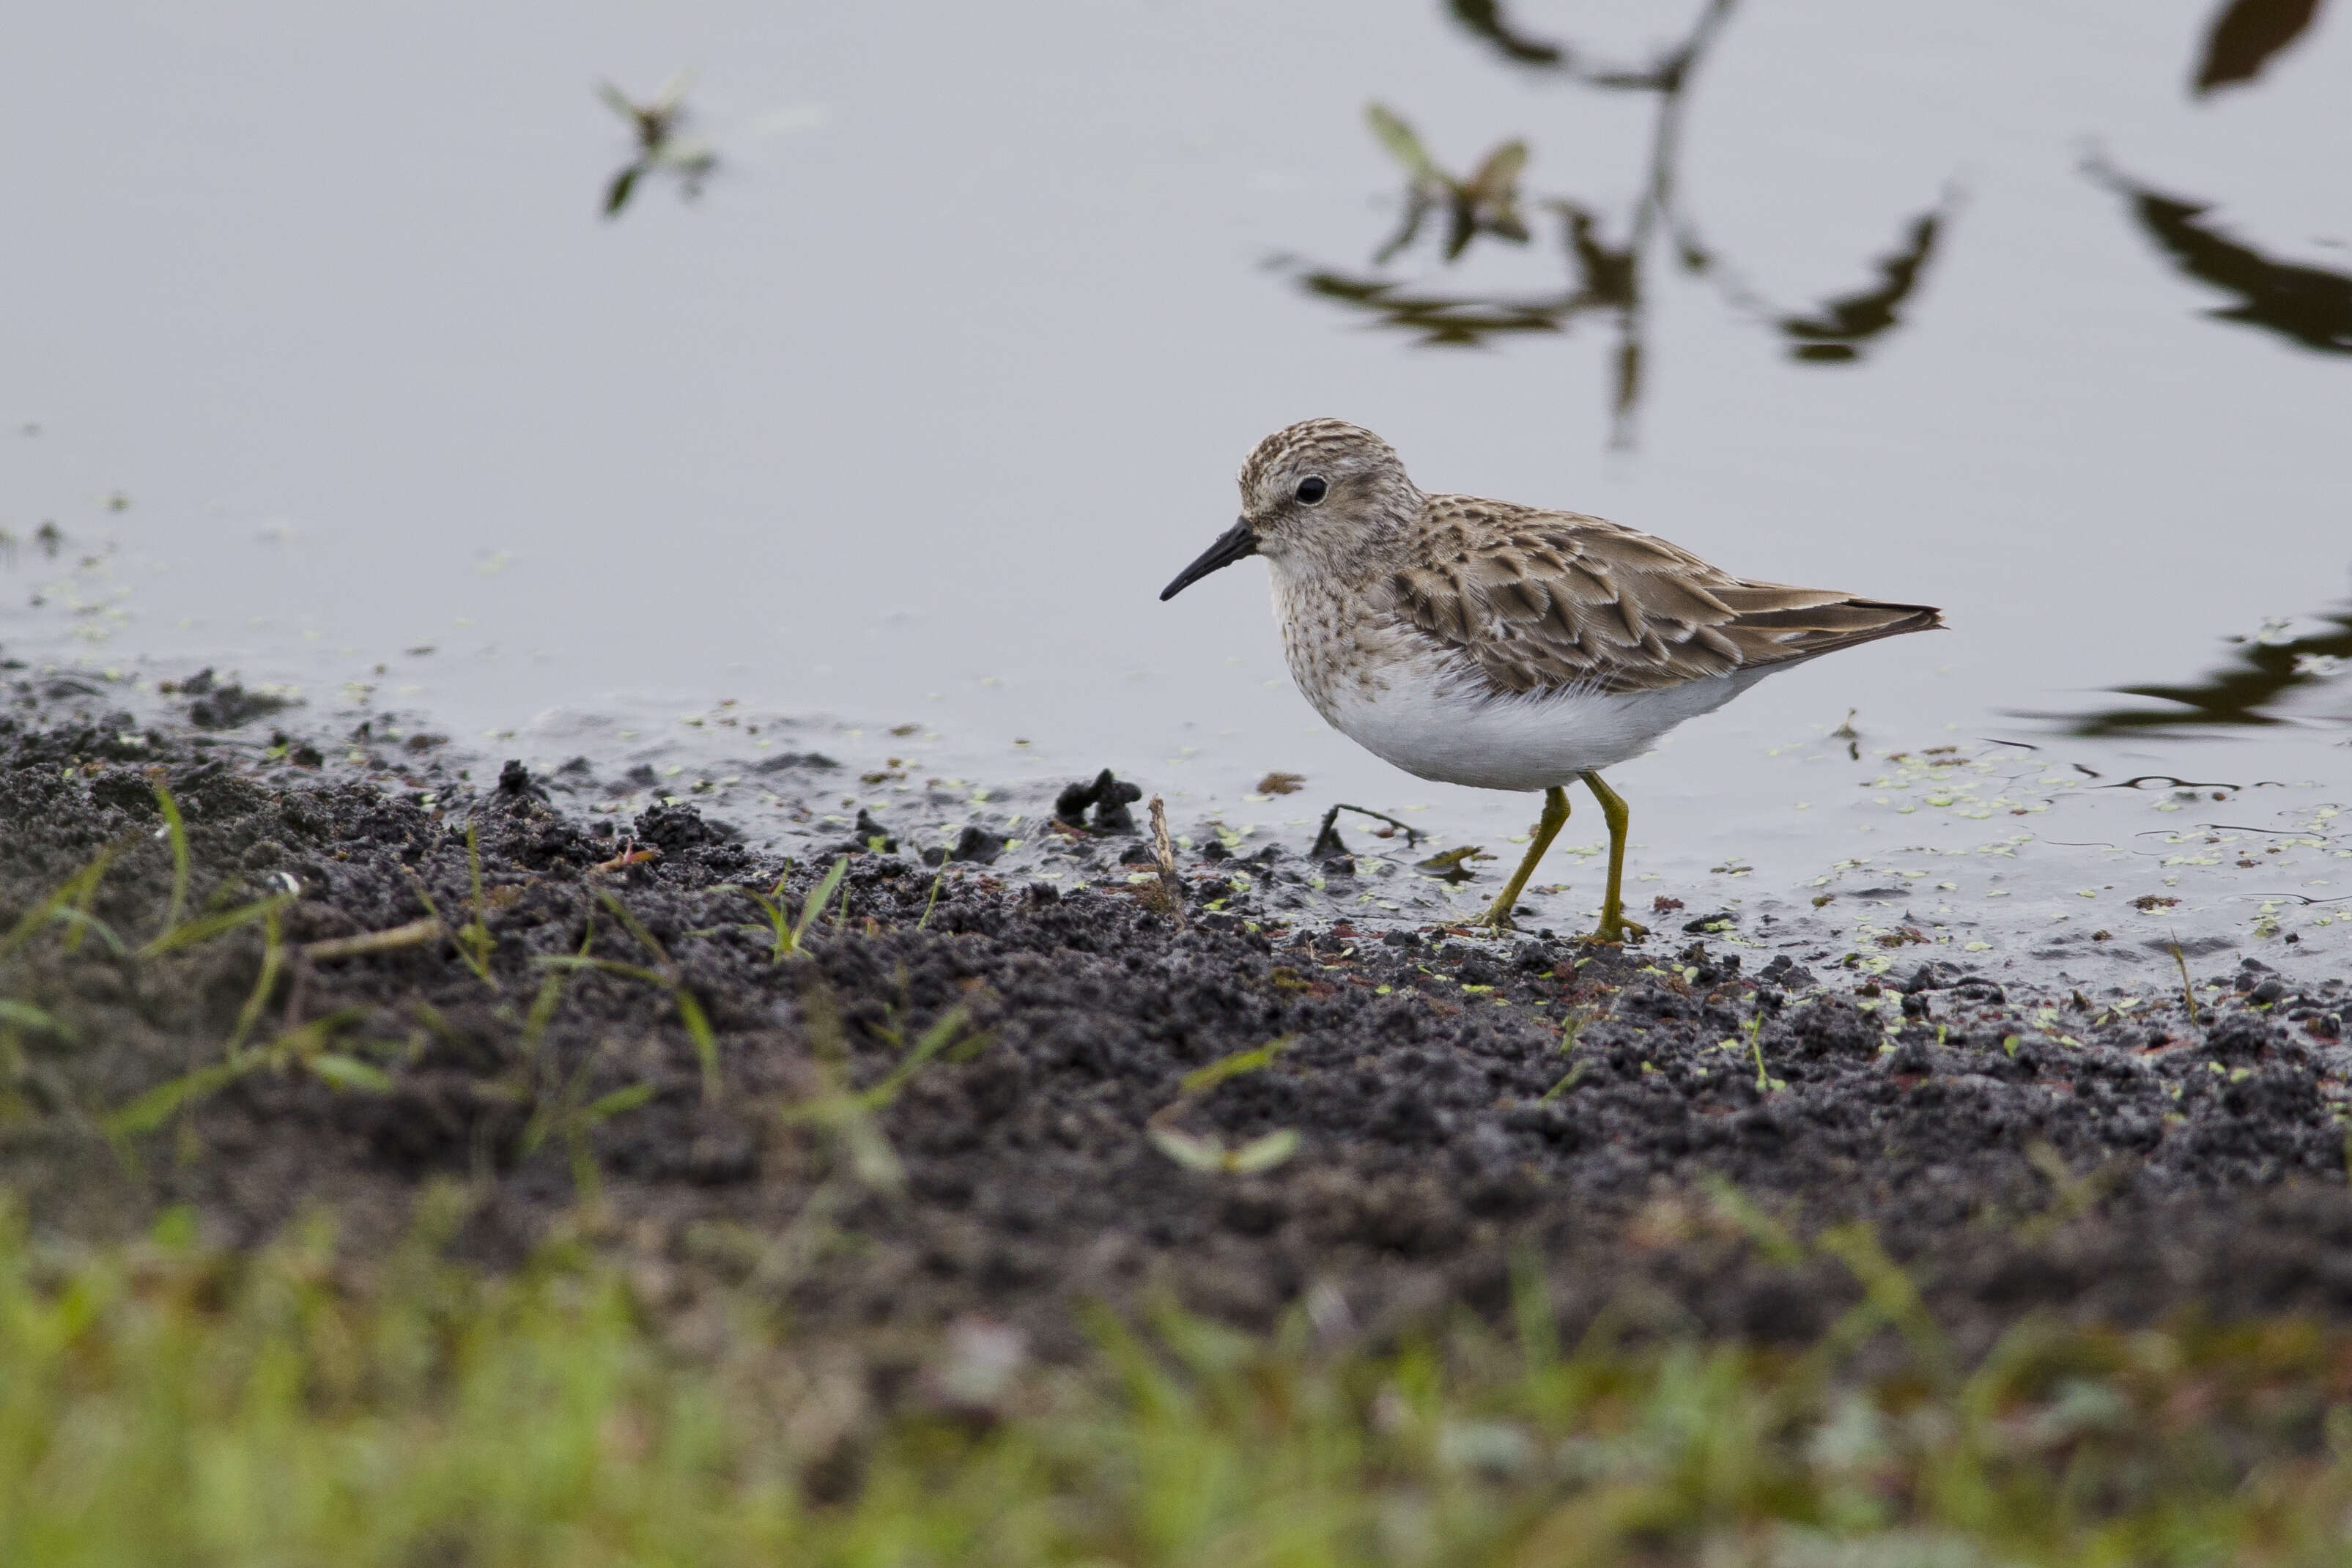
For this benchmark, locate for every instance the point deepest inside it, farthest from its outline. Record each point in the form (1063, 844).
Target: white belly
(1434, 722)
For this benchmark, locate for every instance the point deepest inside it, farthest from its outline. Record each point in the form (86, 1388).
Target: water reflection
(1485, 202)
(1604, 279)
(661, 149)
(2246, 691)
(1840, 327)
(2245, 35)
(2309, 305)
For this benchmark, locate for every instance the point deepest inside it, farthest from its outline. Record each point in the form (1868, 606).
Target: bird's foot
(1614, 933)
(1497, 919)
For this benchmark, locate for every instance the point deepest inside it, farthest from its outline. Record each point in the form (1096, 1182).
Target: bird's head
(1320, 489)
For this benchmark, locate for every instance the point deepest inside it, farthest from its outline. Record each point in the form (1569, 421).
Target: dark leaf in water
(1608, 274)
(1486, 18)
(2239, 693)
(1403, 145)
(1496, 182)
(1493, 191)
(1485, 202)
(1836, 331)
(623, 183)
(2309, 305)
(2246, 35)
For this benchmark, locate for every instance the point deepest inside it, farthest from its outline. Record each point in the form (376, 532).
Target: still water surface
(320, 351)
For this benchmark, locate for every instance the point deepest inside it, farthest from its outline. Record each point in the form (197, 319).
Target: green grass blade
(1203, 1155)
(273, 958)
(24, 1016)
(349, 1072)
(932, 902)
(86, 882)
(83, 921)
(817, 899)
(543, 1010)
(608, 965)
(476, 937)
(179, 832)
(636, 928)
(152, 1109)
(69, 902)
(1263, 1154)
(598, 1111)
(935, 1039)
(706, 1042)
(1202, 1079)
(204, 928)
(456, 937)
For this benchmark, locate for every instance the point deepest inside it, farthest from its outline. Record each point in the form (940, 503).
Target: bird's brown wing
(1542, 600)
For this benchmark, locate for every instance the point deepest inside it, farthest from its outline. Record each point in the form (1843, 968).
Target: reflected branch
(2307, 305)
(2241, 693)
(1841, 326)
(1458, 321)
(1603, 278)
(1485, 19)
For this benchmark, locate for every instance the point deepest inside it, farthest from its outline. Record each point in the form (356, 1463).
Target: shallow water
(322, 355)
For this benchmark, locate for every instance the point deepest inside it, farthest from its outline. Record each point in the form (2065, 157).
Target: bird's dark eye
(1311, 490)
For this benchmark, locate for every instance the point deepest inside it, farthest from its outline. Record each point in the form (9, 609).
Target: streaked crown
(1320, 478)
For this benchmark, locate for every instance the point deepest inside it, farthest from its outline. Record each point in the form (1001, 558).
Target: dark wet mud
(961, 1094)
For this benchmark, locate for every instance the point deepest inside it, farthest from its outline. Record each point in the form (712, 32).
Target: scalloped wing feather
(1546, 600)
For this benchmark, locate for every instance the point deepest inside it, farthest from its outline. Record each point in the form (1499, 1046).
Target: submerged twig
(1164, 852)
(1327, 837)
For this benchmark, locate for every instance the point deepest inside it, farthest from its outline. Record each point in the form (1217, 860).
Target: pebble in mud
(1454, 1101)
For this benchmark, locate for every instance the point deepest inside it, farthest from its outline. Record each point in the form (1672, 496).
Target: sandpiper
(1503, 646)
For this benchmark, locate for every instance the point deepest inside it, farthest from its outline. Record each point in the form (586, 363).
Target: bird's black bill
(1231, 545)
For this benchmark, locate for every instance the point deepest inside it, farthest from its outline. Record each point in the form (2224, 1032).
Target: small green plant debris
(665, 973)
(1208, 1152)
(791, 933)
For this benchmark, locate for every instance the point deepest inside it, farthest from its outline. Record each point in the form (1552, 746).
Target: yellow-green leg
(1613, 923)
(1554, 819)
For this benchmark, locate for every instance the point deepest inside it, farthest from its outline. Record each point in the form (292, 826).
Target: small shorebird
(1502, 646)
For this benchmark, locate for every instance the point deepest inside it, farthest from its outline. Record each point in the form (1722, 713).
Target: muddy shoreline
(964, 1094)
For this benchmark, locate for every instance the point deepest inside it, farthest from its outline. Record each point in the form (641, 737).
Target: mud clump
(218, 705)
(947, 1093)
(1110, 797)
